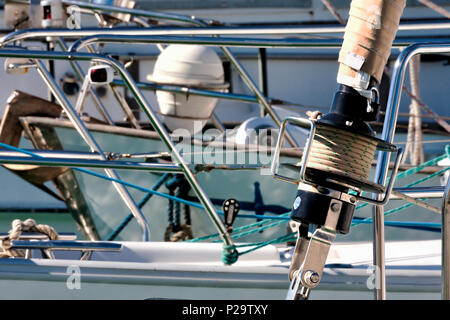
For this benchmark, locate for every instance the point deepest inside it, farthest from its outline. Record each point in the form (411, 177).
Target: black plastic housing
(312, 208)
(349, 111)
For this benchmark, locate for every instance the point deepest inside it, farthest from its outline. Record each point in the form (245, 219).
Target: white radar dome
(189, 66)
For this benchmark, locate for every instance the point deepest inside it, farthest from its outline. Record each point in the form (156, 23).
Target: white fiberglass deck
(193, 271)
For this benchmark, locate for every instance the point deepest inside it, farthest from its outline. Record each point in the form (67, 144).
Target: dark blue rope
(177, 212)
(416, 225)
(141, 204)
(170, 209)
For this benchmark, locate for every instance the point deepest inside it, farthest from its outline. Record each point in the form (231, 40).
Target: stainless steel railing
(80, 127)
(391, 114)
(202, 22)
(205, 29)
(224, 43)
(445, 236)
(388, 133)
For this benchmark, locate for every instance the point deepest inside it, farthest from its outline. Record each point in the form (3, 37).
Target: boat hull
(187, 271)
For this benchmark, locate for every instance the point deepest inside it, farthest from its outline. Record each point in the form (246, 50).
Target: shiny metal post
(89, 139)
(138, 15)
(100, 107)
(7, 157)
(121, 100)
(157, 125)
(145, 37)
(165, 137)
(388, 133)
(446, 243)
(79, 72)
(25, 34)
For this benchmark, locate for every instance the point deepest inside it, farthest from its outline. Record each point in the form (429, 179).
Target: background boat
(306, 83)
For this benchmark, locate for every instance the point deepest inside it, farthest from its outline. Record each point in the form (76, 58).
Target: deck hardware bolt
(335, 207)
(311, 277)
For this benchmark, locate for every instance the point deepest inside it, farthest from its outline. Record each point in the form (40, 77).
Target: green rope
(292, 236)
(408, 172)
(230, 254)
(417, 169)
(261, 228)
(256, 246)
(258, 225)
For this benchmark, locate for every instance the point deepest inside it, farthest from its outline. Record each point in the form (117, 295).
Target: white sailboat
(154, 270)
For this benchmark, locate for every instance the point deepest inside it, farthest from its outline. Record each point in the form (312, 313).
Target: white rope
(333, 11)
(441, 121)
(341, 152)
(415, 88)
(436, 8)
(414, 149)
(18, 227)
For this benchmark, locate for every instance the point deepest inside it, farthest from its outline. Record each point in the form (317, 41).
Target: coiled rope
(18, 227)
(341, 152)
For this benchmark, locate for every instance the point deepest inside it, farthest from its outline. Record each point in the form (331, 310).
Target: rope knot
(229, 254)
(28, 225)
(18, 227)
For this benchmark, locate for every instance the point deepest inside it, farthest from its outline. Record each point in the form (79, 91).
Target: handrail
(67, 245)
(157, 15)
(25, 34)
(223, 43)
(140, 98)
(143, 38)
(388, 133)
(445, 236)
(7, 158)
(79, 72)
(140, 35)
(122, 102)
(93, 145)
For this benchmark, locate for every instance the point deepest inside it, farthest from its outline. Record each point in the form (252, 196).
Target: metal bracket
(304, 123)
(390, 186)
(309, 274)
(47, 247)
